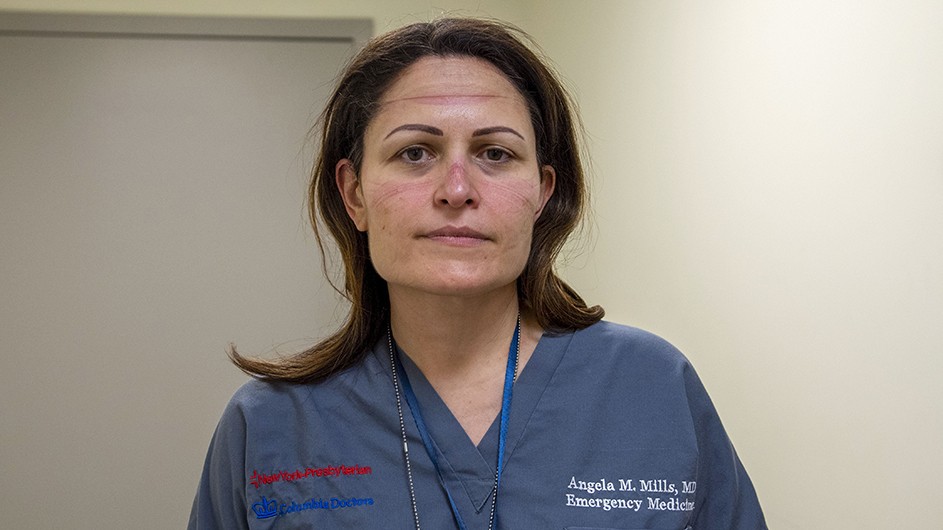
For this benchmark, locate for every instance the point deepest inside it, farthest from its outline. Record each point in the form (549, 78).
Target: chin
(460, 287)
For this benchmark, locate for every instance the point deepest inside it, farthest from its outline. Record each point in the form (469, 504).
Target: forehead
(444, 79)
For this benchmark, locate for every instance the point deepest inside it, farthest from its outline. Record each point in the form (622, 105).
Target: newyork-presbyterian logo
(261, 479)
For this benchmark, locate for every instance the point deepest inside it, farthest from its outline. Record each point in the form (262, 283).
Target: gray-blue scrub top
(610, 428)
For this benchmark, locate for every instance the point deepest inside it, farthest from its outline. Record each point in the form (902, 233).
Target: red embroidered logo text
(258, 479)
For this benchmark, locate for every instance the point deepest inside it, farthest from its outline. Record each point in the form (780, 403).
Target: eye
(496, 154)
(414, 153)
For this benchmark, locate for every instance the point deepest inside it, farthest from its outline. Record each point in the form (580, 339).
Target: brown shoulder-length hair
(556, 306)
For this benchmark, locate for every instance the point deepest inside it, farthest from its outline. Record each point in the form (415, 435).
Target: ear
(351, 192)
(548, 182)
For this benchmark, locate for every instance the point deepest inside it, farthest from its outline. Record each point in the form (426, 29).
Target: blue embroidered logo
(265, 509)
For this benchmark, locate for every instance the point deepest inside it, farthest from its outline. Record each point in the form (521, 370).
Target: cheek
(514, 205)
(518, 199)
(389, 204)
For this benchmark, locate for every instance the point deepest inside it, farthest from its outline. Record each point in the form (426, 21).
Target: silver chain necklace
(402, 428)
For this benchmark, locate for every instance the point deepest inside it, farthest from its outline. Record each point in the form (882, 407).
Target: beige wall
(769, 197)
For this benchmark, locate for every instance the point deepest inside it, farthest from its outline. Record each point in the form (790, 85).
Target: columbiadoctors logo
(268, 508)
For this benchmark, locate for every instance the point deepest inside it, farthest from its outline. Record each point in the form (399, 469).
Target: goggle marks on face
(449, 186)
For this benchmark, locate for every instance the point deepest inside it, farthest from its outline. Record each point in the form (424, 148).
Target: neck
(452, 335)
(461, 346)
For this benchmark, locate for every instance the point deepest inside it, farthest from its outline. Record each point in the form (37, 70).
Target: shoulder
(251, 406)
(260, 402)
(621, 335)
(259, 394)
(618, 344)
(623, 360)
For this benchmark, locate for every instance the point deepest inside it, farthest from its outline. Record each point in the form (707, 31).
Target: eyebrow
(438, 132)
(416, 127)
(497, 129)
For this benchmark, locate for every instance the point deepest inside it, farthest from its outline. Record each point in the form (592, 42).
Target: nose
(457, 189)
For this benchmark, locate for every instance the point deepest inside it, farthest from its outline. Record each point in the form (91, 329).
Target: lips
(457, 235)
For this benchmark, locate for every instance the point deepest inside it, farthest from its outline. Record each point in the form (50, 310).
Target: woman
(469, 387)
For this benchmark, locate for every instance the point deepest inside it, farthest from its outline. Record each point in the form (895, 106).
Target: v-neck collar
(471, 468)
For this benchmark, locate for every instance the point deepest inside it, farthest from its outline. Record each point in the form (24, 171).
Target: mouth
(457, 235)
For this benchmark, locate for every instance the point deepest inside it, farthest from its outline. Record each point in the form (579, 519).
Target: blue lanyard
(502, 433)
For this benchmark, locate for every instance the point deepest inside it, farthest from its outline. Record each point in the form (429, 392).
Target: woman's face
(449, 187)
